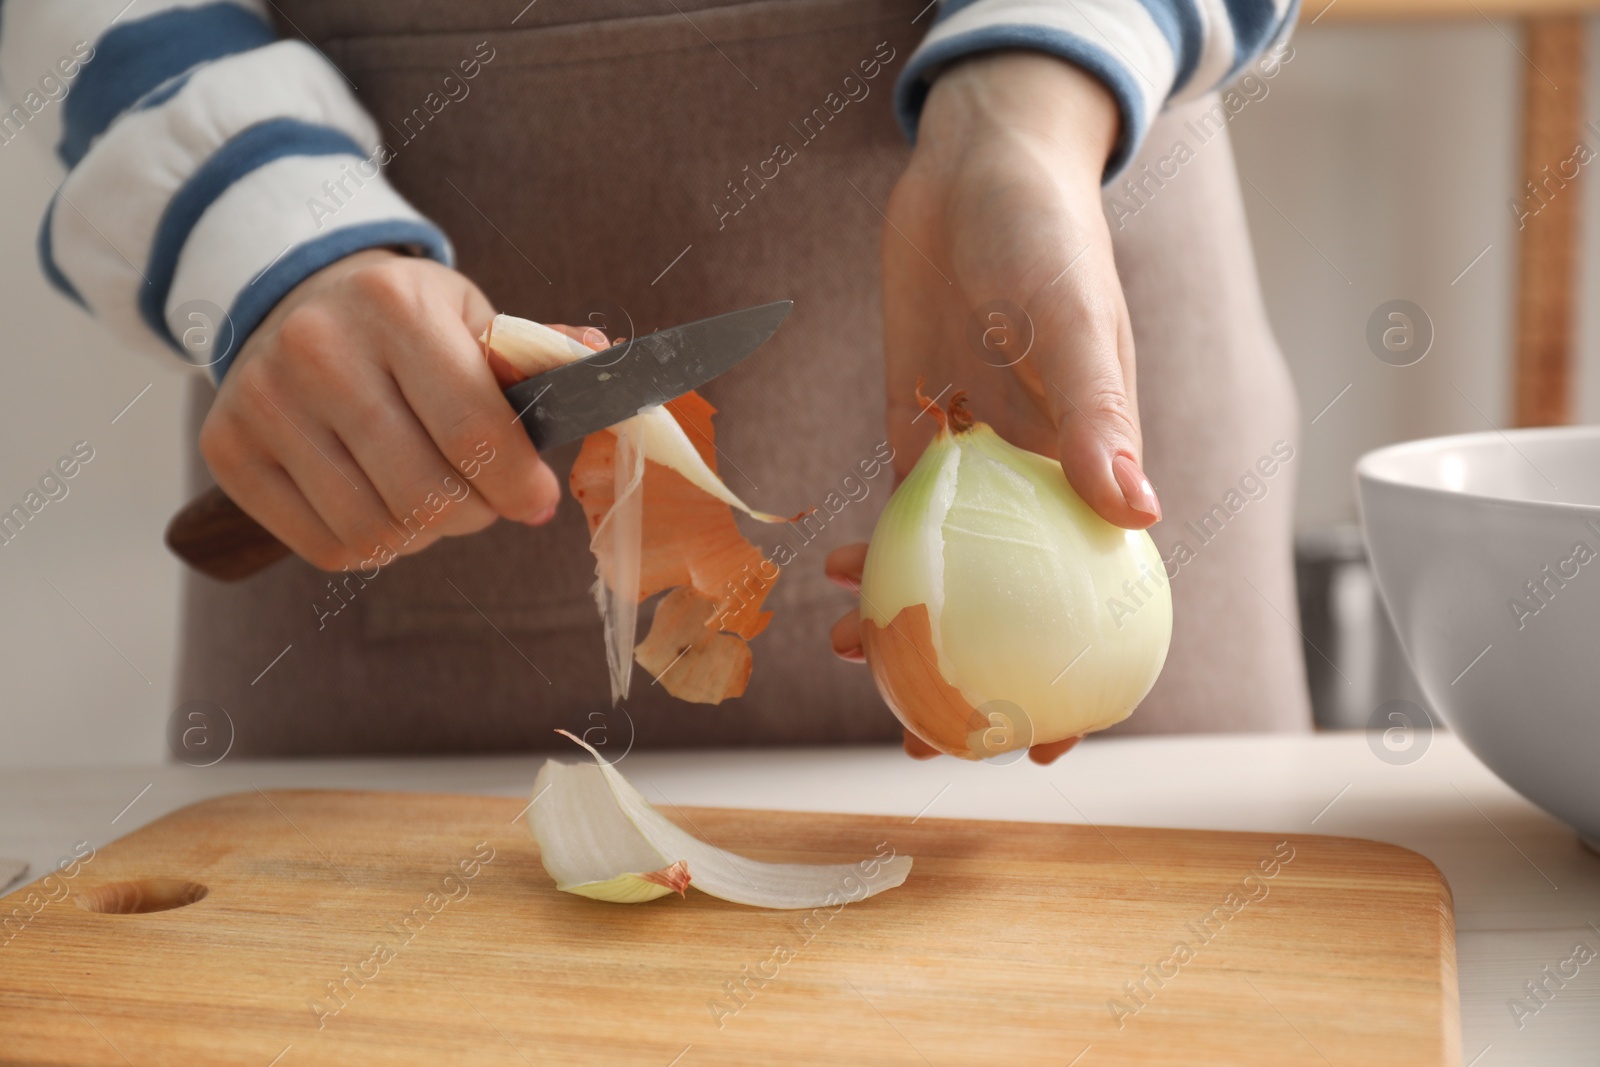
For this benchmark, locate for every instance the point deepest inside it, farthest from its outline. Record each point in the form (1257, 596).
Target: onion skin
(685, 652)
(675, 877)
(998, 611)
(905, 667)
(659, 523)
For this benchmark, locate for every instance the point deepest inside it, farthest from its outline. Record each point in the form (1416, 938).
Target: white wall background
(93, 687)
(1391, 150)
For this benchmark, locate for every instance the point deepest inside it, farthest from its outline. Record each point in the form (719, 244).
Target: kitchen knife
(214, 536)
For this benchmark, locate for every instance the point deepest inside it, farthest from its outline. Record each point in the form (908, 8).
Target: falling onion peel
(998, 611)
(659, 519)
(600, 838)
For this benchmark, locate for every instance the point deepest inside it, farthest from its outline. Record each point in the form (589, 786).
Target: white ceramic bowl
(1487, 552)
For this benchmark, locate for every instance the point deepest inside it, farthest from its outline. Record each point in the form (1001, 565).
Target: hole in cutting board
(140, 897)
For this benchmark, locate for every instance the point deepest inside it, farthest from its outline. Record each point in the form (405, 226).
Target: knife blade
(576, 399)
(214, 535)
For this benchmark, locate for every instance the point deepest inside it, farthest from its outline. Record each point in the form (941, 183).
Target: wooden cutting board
(390, 928)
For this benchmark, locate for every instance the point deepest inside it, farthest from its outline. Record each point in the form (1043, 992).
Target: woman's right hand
(358, 418)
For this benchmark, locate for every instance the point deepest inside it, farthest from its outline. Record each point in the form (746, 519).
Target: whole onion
(998, 611)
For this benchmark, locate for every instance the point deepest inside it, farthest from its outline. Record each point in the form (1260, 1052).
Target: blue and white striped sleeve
(197, 146)
(1148, 53)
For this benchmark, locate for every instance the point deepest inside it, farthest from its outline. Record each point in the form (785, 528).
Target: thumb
(1090, 391)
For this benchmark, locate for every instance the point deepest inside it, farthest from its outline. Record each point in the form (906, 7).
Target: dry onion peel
(600, 838)
(617, 537)
(658, 518)
(683, 621)
(998, 611)
(533, 348)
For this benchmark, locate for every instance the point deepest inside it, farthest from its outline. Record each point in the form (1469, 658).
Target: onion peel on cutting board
(600, 838)
(659, 519)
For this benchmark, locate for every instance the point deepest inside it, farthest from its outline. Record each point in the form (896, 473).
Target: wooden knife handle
(212, 535)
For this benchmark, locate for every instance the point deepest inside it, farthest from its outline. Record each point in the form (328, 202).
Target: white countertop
(1525, 890)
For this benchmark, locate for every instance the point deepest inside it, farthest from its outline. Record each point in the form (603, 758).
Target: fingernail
(543, 517)
(594, 338)
(1135, 486)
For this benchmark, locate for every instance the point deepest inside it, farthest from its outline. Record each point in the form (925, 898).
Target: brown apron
(597, 165)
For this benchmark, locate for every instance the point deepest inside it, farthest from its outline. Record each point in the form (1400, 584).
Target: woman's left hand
(999, 280)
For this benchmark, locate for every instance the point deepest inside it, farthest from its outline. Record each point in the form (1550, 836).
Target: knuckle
(470, 431)
(897, 204)
(261, 394)
(375, 410)
(246, 381)
(220, 442)
(309, 335)
(1111, 403)
(1084, 303)
(1113, 410)
(1098, 316)
(390, 285)
(445, 507)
